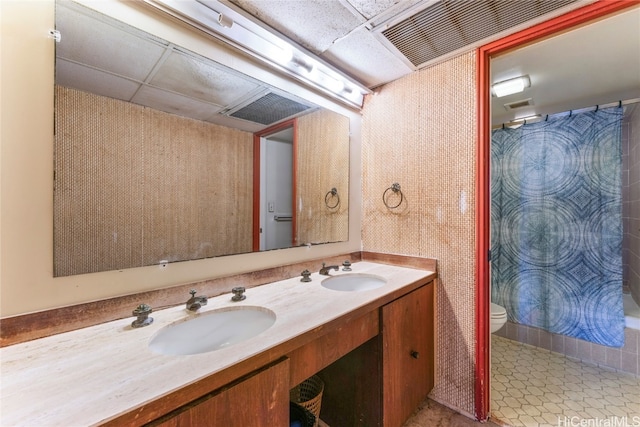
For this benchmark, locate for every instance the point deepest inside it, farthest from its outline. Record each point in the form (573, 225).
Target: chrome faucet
(325, 270)
(194, 303)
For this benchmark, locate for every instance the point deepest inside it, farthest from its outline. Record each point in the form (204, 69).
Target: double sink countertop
(93, 375)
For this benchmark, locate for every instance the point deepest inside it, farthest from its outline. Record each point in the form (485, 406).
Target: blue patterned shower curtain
(556, 225)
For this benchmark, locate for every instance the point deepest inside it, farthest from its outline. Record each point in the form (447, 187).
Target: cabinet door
(262, 399)
(407, 354)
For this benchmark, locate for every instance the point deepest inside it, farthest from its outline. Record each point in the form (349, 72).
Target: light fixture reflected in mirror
(265, 44)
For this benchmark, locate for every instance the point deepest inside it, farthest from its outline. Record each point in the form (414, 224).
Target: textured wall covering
(419, 131)
(134, 186)
(323, 164)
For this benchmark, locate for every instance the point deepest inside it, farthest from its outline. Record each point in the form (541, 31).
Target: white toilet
(498, 317)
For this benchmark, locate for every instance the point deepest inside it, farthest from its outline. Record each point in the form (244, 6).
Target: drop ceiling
(101, 55)
(379, 41)
(594, 64)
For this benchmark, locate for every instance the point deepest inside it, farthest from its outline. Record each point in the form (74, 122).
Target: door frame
(574, 18)
(257, 137)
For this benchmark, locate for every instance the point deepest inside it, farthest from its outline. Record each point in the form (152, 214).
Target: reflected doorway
(274, 192)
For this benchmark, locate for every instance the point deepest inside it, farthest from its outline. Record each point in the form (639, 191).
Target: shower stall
(564, 204)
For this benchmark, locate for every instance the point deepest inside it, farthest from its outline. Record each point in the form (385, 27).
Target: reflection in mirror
(154, 152)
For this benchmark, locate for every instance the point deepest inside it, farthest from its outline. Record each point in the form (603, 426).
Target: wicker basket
(308, 394)
(299, 416)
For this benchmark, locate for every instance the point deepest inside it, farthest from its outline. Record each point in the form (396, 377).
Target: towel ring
(395, 187)
(331, 194)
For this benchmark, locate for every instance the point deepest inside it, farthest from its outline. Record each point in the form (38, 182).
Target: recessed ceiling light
(511, 86)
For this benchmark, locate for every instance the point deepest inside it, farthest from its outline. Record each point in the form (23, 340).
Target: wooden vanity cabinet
(407, 334)
(377, 369)
(384, 380)
(260, 399)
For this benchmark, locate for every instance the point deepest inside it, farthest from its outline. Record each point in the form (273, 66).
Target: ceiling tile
(87, 79)
(88, 39)
(314, 24)
(232, 122)
(372, 8)
(202, 79)
(175, 104)
(361, 55)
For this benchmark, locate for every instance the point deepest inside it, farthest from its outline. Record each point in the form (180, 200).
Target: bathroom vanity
(373, 348)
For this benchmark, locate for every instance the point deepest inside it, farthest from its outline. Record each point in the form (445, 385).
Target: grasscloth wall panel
(419, 131)
(323, 164)
(134, 186)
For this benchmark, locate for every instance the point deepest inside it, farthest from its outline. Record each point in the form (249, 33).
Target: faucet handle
(142, 313)
(142, 310)
(238, 293)
(195, 303)
(305, 276)
(346, 266)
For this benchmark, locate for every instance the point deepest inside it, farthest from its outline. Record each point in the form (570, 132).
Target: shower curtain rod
(578, 110)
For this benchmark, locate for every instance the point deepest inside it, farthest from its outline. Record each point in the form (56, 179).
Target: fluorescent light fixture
(531, 117)
(227, 22)
(511, 86)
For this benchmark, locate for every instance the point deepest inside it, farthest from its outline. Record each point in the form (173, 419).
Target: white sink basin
(353, 282)
(212, 331)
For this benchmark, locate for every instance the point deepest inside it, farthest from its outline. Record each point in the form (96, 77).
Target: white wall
(631, 201)
(26, 168)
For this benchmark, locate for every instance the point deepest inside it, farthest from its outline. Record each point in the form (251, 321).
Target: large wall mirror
(155, 154)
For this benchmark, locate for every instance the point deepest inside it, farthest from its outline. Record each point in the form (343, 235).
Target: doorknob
(415, 354)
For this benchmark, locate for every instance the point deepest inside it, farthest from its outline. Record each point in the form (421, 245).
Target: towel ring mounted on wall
(395, 187)
(333, 193)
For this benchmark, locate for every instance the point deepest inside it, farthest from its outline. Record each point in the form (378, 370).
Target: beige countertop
(91, 375)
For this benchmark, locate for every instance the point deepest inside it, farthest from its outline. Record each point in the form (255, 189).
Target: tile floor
(433, 414)
(535, 387)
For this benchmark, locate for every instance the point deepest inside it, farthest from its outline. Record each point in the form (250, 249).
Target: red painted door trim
(556, 25)
(256, 180)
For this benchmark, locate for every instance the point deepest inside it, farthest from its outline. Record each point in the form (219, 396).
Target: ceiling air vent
(269, 109)
(518, 104)
(449, 25)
